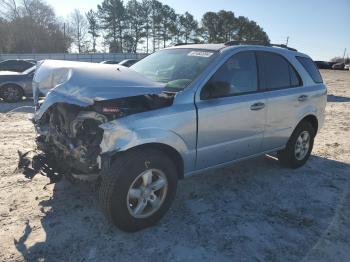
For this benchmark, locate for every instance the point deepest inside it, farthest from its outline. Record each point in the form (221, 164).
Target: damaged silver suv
(177, 112)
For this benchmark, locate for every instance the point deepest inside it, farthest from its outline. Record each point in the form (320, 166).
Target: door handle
(257, 106)
(302, 98)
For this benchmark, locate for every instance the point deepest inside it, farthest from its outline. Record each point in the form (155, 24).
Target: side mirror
(215, 89)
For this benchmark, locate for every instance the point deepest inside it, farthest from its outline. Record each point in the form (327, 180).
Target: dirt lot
(253, 211)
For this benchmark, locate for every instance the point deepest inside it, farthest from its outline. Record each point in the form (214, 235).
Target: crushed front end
(68, 120)
(71, 136)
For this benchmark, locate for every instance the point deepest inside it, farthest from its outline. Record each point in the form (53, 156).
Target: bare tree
(41, 13)
(30, 26)
(78, 30)
(4, 39)
(9, 9)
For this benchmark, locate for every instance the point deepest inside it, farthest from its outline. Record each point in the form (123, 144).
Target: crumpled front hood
(83, 83)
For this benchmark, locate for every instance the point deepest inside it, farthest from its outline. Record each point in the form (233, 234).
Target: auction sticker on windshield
(200, 53)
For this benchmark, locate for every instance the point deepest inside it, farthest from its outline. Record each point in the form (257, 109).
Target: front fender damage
(81, 137)
(79, 98)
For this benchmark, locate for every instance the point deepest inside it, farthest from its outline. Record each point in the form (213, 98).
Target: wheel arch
(10, 83)
(312, 119)
(171, 152)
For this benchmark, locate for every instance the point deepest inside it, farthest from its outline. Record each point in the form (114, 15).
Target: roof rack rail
(253, 42)
(283, 46)
(180, 44)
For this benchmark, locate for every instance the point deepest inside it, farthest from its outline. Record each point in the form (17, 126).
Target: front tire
(299, 146)
(138, 189)
(12, 93)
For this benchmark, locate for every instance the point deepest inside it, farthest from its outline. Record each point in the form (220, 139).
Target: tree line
(339, 59)
(116, 26)
(30, 26)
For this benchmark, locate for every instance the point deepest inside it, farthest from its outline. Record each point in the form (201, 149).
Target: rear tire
(130, 185)
(299, 146)
(11, 93)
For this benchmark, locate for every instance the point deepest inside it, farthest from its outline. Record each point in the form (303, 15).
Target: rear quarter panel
(317, 92)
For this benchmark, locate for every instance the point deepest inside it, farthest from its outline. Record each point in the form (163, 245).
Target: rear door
(284, 92)
(231, 113)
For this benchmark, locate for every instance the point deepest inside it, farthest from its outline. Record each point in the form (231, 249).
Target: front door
(231, 113)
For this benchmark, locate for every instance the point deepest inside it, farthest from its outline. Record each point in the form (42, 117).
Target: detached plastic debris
(36, 162)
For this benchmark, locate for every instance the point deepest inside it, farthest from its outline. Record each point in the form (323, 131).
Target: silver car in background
(178, 112)
(14, 85)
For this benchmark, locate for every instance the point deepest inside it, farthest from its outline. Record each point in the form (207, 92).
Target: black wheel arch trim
(108, 157)
(312, 119)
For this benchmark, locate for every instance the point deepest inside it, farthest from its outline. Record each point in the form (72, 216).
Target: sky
(319, 28)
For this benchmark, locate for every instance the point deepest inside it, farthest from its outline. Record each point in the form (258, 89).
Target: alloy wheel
(147, 193)
(302, 145)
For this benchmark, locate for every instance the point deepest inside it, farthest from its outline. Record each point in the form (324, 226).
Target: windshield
(29, 70)
(175, 67)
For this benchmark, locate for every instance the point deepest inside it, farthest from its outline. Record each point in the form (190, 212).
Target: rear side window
(275, 72)
(24, 63)
(5, 65)
(294, 77)
(8, 62)
(311, 68)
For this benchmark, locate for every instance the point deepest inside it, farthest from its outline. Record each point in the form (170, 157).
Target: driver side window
(237, 76)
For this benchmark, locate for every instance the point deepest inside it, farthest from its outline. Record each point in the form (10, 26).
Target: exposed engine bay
(71, 134)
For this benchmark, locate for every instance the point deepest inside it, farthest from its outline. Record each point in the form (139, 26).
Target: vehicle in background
(14, 85)
(332, 63)
(323, 65)
(347, 67)
(110, 62)
(180, 111)
(338, 66)
(128, 62)
(16, 65)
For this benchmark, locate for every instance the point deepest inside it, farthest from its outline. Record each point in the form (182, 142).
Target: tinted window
(8, 62)
(15, 65)
(237, 76)
(5, 64)
(24, 63)
(276, 72)
(294, 77)
(128, 63)
(311, 68)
